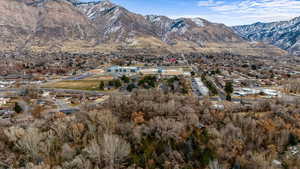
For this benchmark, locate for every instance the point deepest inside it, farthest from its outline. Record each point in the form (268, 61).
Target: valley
(90, 85)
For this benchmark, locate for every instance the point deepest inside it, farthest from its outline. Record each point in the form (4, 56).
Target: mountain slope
(73, 26)
(118, 24)
(284, 34)
(115, 23)
(159, 33)
(44, 22)
(16, 22)
(186, 29)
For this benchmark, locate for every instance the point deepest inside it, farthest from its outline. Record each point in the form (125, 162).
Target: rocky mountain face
(196, 30)
(284, 34)
(115, 23)
(118, 24)
(73, 26)
(43, 22)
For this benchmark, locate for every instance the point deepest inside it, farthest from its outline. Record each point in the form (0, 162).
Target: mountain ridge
(70, 25)
(283, 34)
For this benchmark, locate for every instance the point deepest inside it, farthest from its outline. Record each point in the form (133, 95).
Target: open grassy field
(76, 85)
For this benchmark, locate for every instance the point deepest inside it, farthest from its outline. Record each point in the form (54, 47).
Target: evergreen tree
(117, 83)
(18, 108)
(228, 90)
(101, 86)
(228, 87)
(125, 79)
(130, 87)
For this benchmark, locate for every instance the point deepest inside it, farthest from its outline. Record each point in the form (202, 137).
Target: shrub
(14, 133)
(148, 82)
(67, 152)
(213, 90)
(79, 162)
(104, 121)
(51, 147)
(18, 108)
(29, 143)
(130, 87)
(39, 166)
(101, 85)
(125, 79)
(165, 129)
(114, 149)
(293, 140)
(75, 132)
(116, 83)
(214, 165)
(292, 86)
(228, 87)
(94, 152)
(262, 106)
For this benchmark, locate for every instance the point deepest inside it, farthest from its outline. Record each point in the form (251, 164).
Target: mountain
(157, 34)
(118, 24)
(115, 23)
(284, 34)
(42, 22)
(74, 26)
(196, 30)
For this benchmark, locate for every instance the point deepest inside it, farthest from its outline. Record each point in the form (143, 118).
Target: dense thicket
(150, 129)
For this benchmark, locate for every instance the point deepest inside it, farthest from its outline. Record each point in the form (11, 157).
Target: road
(79, 77)
(95, 93)
(220, 91)
(61, 104)
(199, 88)
(9, 90)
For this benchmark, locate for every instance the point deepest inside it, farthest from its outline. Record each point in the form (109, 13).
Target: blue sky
(229, 12)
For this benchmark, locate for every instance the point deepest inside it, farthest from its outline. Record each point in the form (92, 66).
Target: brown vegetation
(150, 129)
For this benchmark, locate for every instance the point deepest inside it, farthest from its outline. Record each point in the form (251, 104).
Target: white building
(122, 70)
(46, 94)
(270, 92)
(201, 87)
(255, 91)
(150, 71)
(4, 101)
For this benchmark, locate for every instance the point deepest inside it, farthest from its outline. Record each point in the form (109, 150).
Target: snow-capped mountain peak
(284, 34)
(198, 21)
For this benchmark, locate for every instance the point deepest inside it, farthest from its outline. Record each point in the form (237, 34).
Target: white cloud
(210, 3)
(254, 10)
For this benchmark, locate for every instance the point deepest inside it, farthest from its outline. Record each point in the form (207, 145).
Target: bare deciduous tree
(14, 133)
(29, 143)
(214, 165)
(115, 149)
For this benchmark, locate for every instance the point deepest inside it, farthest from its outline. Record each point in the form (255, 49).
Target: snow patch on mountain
(94, 9)
(153, 18)
(111, 19)
(283, 34)
(198, 21)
